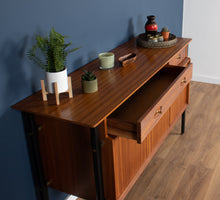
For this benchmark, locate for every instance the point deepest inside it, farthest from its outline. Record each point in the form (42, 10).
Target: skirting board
(206, 79)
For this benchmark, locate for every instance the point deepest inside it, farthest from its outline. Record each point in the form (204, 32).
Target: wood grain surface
(146, 107)
(188, 166)
(65, 138)
(131, 158)
(115, 86)
(179, 57)
(67, 157)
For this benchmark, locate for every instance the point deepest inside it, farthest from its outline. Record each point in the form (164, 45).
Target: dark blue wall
(97, 25)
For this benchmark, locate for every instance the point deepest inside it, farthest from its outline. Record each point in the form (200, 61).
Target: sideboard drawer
(179, 57)
(139, 114)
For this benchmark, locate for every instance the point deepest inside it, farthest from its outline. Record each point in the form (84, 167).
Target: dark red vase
(151, 26)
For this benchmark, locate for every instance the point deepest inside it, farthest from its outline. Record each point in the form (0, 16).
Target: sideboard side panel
(107, 162)
(67, 157)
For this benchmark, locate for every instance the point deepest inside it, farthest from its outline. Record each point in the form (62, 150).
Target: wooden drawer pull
(179, 57)
(184, 80)
(49, 183)
(39, 128)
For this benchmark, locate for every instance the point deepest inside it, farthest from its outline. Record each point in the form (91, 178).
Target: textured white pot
(60, 78)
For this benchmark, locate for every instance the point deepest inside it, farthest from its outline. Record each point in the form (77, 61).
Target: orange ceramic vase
(151, 26)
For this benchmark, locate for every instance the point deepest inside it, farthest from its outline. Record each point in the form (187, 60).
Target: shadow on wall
(140, 24)
(134, 26)
(133, 31)
(15, 168)
(17, 79)
(130, 32)
(93, 54)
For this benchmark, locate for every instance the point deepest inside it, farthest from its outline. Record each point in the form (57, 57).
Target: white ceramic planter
(60, 78)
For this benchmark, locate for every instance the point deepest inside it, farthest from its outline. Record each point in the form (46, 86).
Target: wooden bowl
(127, 59)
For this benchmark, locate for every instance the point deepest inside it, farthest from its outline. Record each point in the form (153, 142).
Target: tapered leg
(31, 134)
(183, 123)
(96, 151)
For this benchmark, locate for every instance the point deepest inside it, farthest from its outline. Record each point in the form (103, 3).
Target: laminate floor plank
(194, 184)
(164, 188)
(213, 189)
(168, 145)
(145, 179)
(187, 167)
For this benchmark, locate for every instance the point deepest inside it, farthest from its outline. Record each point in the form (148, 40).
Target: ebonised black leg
(96, 151)
(31, 134)
(183, 123)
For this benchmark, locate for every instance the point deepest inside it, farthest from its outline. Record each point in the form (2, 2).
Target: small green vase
(90, 86)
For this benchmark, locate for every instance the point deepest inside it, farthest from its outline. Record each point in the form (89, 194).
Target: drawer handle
(39, 128)
(179, 57)
(158, 112)
(183, 81)
(49, 183)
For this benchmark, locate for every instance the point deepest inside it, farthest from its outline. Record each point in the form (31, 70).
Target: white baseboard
(71, 197)
(206, 79)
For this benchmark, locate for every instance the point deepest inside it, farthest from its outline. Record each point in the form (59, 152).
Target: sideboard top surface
(114, 86)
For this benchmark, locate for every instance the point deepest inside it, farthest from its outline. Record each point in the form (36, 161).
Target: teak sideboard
(95, 146)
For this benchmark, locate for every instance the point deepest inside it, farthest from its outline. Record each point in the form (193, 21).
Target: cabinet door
(160, 131)
(131, 158)
(179, 105)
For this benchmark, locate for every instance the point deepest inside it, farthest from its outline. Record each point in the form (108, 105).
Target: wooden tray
(141, 41)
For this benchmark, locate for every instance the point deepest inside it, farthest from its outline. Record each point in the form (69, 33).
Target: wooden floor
(187, 167)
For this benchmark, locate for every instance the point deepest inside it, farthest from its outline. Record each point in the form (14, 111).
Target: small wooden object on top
(45, 93)
(127, 59)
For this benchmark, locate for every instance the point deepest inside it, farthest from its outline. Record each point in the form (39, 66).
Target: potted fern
(89, 82)
(54, 51)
